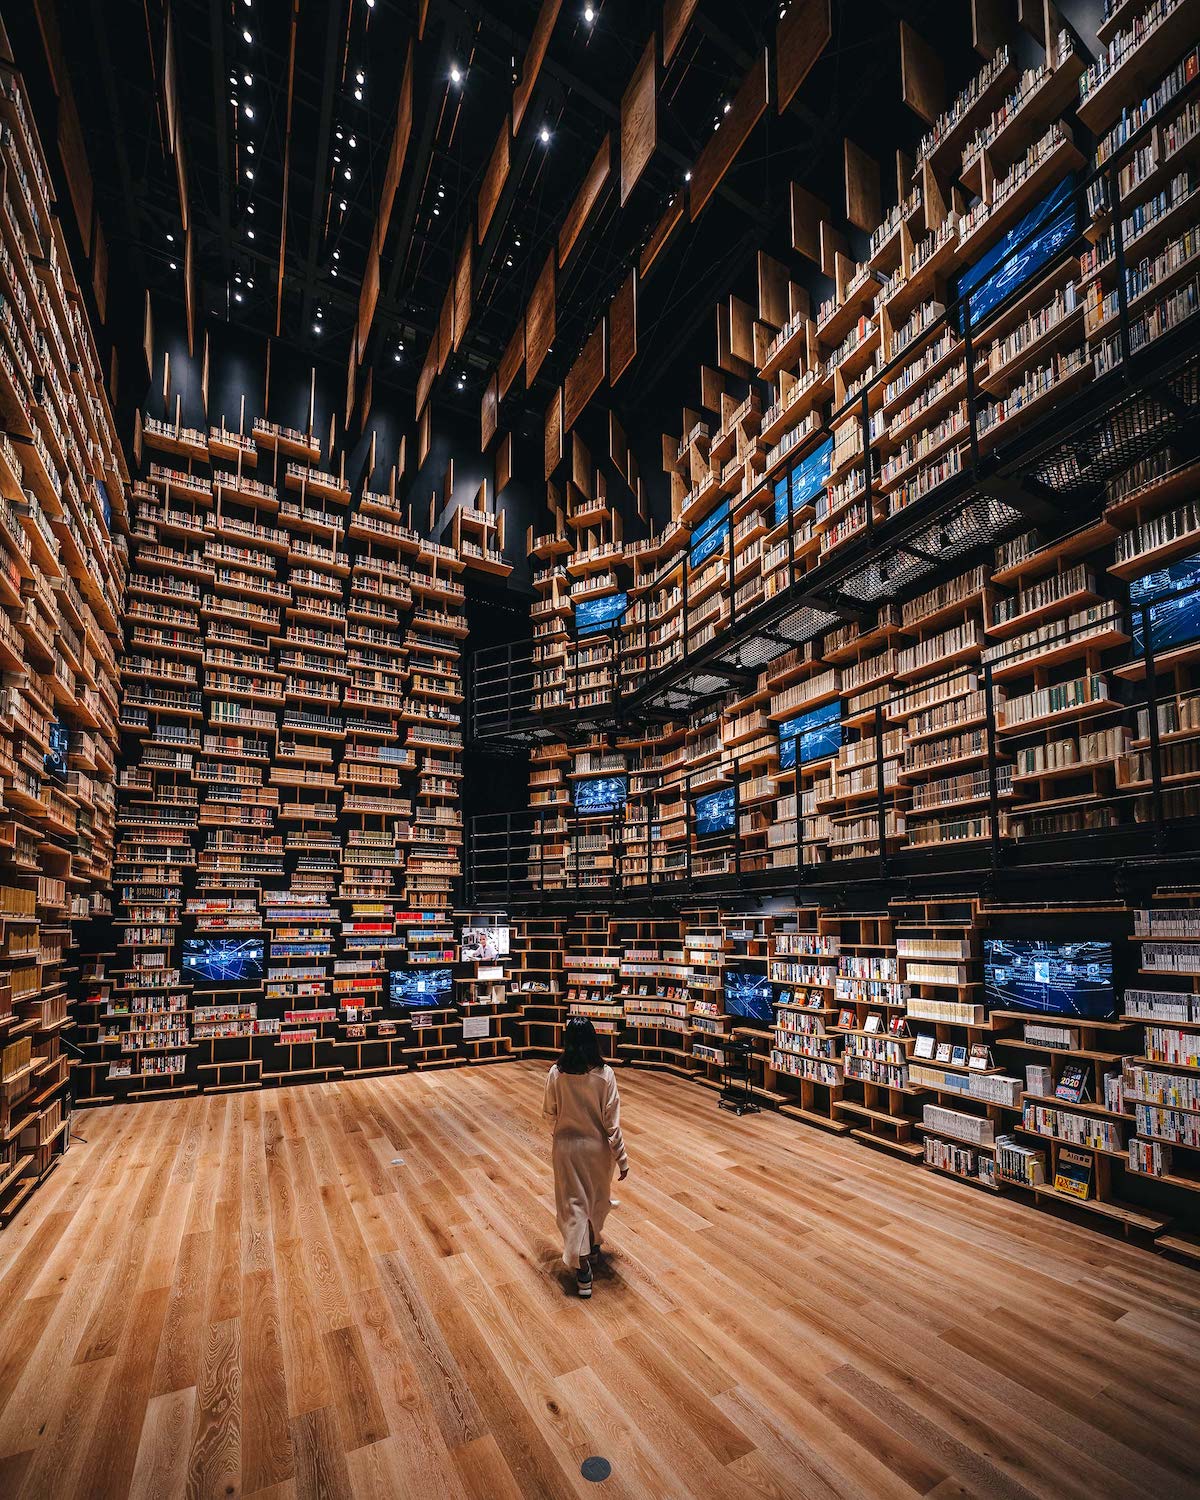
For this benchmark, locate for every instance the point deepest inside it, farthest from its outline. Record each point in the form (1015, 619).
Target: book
(926, 1042)
(980, 1056)
(846, 1020)
(1072, 1083)
(958, 1056)
(1073, 1173)
(943, 1052)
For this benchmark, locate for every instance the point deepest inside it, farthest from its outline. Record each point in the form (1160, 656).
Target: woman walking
(584, 1110)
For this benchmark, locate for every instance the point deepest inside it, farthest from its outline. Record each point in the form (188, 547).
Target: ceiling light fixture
(544, 135)
(687, 176)
(170, 238)
(249, 77)
(237, 296)
(250, 282)
(358, 94)
(249, 174)
(249, 148)
(726, 107)
(174, 267)
(249, 234)
(360, 76)
(247, 38)
(455, 73)
(589, 15)
(248, 111)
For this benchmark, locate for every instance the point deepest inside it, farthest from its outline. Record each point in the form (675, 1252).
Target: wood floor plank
(356, 1289)
(163, 1447)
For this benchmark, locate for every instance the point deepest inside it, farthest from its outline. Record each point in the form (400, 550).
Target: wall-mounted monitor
(715, 813)
(600, 794)
(805, 480)
(815, 735)
(1050, 225)
(223, 960)
(482, 945)
(1050, 978)
(417, 988)
(748, 994)
(595, 615)
(58, 749)
(710, 535)
(1174, 620)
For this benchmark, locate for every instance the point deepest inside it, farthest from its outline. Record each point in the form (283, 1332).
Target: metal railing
(1144, 798)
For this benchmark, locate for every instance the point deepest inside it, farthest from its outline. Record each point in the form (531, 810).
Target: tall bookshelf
(63, 560)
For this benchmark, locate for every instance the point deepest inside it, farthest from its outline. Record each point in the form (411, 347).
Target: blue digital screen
(710, 535)
(715, 813)
(594, 615)
(58, 749)
(1001, 270)
(1058, 979)
(417, 987)
(1173, 621)
(748, 994)
(804, 481)
(815, 735)
(223, 960)
(600, 794)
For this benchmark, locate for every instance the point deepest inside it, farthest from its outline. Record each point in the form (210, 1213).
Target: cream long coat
(584, 1111)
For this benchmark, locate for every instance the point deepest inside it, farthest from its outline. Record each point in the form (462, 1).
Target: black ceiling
(116, 50)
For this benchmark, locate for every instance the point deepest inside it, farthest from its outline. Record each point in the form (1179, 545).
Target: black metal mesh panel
(1133, 428)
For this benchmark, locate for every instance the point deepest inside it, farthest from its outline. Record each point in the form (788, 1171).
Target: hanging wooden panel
(586, 199)
(862, 188)
(424, 436)
(808, 212)
(922, 78)
(399, 150)
(534, 57)
(539, 321)
(462, 292)
(585, 376)
(445, 334)
(663, 231)
(749, 104)
(503, 462)
(512, 359)
(368, 294)
(428, 371)
(495, 175)
(554, 434)
(622, 328)
(675, 18)
(639, 121)
(801, 37)
(487, 414)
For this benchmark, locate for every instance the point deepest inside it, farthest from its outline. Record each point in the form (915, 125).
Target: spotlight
(249, 234)
(237, 296)
(544, 135)
(360, 76)
(337, 255)
(726, 107)
(249, 208)
(687, 176)
(250, 283)
(249, 174)
(249, 79)
(455, 73)
(247, 38)
(170, 238)
(346, 174)
(589, 15)
(316, 327)
(249, 148)
(396, 356)
(174, 267)
(248, 111)
(358, 94)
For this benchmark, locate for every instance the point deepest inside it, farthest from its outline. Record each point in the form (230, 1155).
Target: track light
(358, 94)
(455, 73)
(589, 15)
(248, 111)
(247, 38)
(544, 135)
(174, 267)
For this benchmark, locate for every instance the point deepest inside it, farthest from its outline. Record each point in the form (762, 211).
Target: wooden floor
(249, 1294)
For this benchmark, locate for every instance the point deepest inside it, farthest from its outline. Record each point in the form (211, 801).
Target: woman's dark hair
(581, 1047)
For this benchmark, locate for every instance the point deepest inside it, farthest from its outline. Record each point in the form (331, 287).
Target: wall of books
(1014, 1048)
(289, 824)
(1047, 687)
(62, 567)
